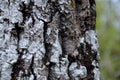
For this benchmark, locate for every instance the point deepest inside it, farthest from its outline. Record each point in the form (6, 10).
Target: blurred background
(108, 28)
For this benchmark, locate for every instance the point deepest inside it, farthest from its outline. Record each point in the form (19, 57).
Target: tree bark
(48, 40)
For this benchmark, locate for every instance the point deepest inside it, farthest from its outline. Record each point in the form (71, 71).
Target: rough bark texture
(48, 40)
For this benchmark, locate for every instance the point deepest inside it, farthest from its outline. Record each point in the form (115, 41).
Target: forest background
(108, 28)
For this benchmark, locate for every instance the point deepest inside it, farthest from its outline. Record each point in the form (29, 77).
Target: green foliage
(109, 40)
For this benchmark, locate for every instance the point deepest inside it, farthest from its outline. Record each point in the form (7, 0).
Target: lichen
(24, 42)
(63, 4)
(26, 1)
(56, 51)
(60, 69)
(96, 74)
(41, 3)
(77, 72)
(81, 39)
(95, 63)
(48, 31)
(91, 38)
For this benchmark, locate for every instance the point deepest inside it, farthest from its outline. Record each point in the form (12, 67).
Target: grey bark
(48, 40)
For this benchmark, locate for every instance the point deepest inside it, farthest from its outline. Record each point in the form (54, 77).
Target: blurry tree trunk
(48, 40)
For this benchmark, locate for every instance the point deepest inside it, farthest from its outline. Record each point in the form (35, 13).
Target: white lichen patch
(26, 1)
(8, 47)
(64, 67)
(42, 48)
(24, 41)
(14, 14)
(96, 70)
(7, 57)
(33, 47)
(6, 71)
(75, 53)
(1, 40)
(94, 63)
(38, 25)
(91, 38)
(7, 37)
(1, 27)
(38, 56)
(96, 74)
(73, 66)
(77, 72)
(40, 3)
(27, 56)
(98, 56)
(63, 3)
(4, 38)
(11, 12)
(56, 70)
(31, 77)
(54, 58)
(37, 29)
(29, 22)
(43, 78)
(48, 31)
(37, 13)
(28, 45)
(56, 50)
(60, 69)
(81, 39)
(4, 7)
(11, 54)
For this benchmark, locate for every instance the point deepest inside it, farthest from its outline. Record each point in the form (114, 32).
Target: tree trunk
(48, 40)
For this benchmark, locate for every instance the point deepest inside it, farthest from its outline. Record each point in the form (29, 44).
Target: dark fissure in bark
(16, 32)
(26, 10)
(6, 20)
(8, 2)
(87, 22)
(48, 47)
(17, 67)
(81, 55)
(45, 59)
(32, 68)
(1, 11)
